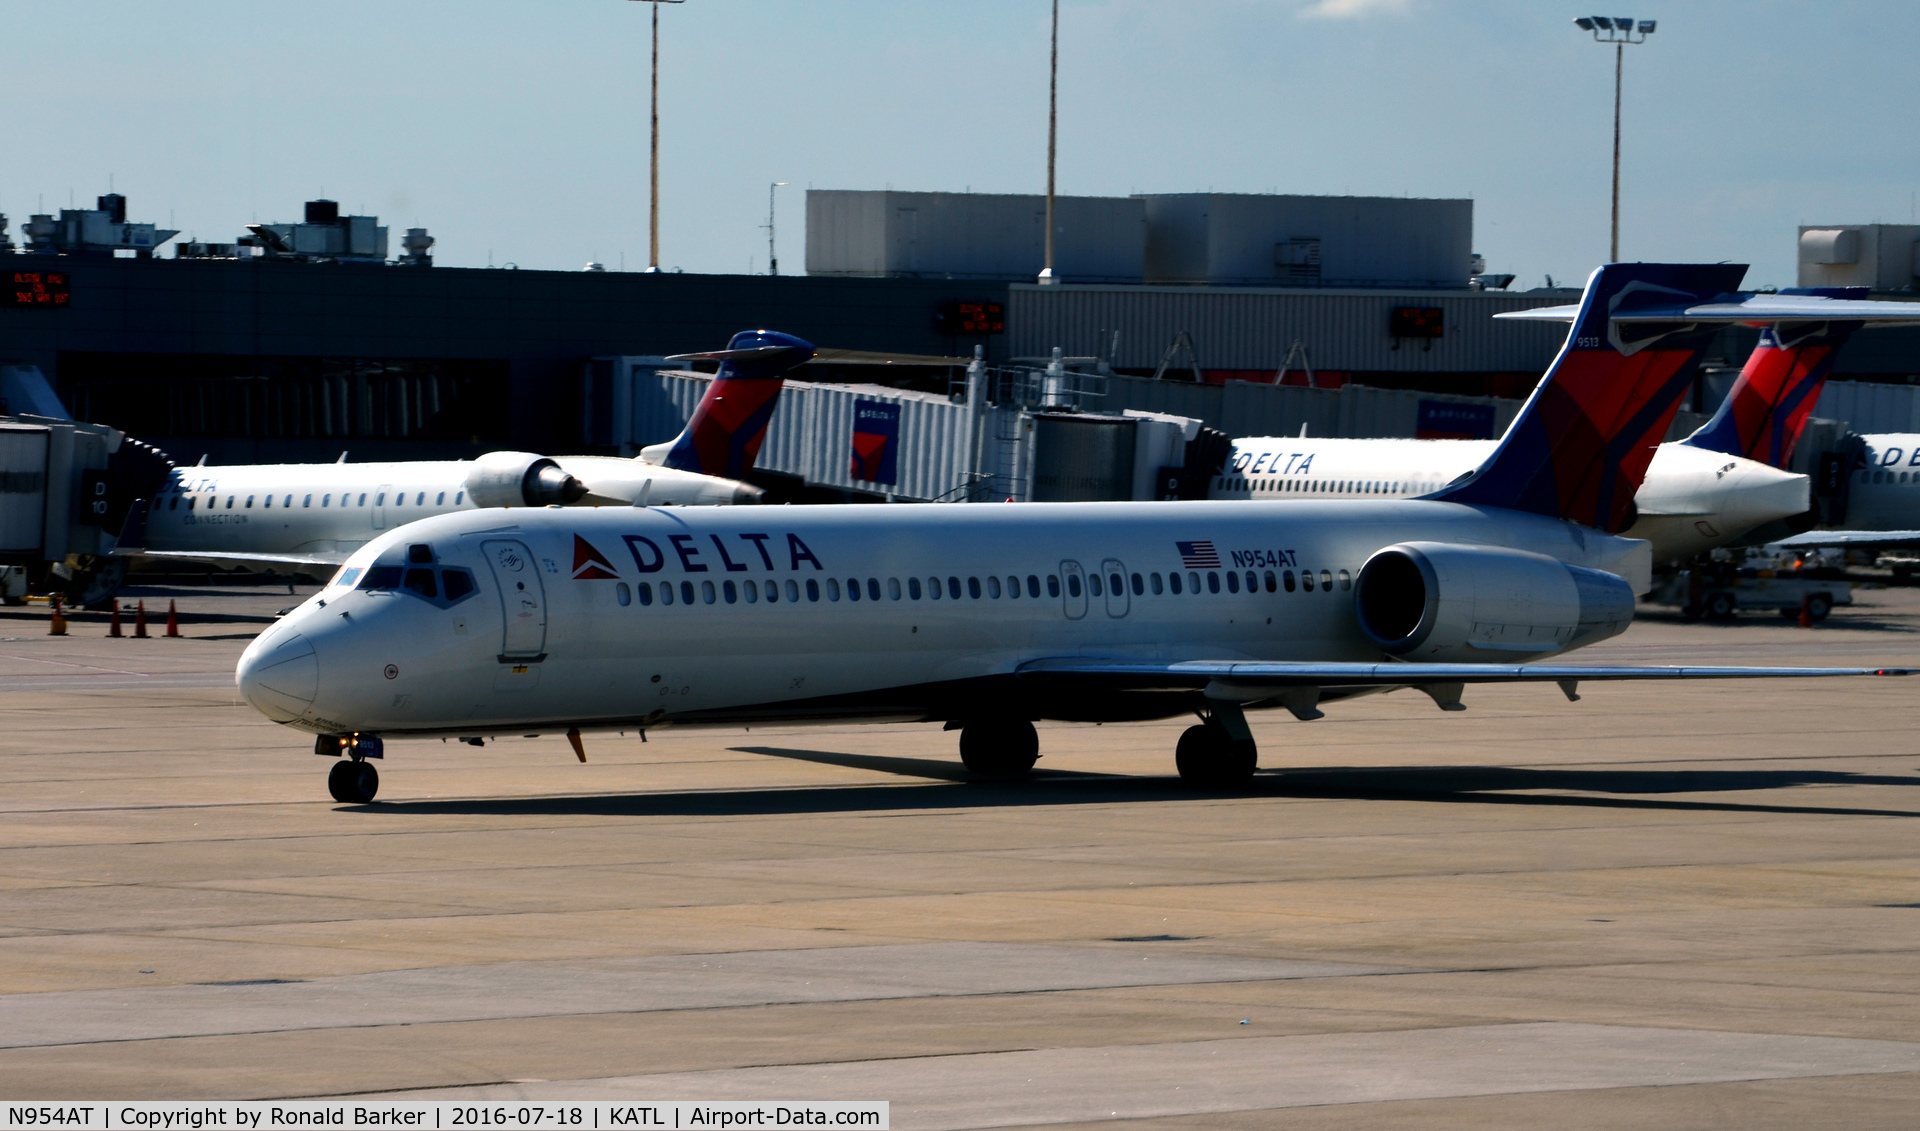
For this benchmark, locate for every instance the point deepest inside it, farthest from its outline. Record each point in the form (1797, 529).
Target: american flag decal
(1198, 555)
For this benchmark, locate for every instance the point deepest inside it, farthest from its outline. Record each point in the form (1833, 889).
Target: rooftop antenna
(773, 257)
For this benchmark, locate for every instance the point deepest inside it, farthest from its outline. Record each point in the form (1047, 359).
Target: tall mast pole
(1619, 51)
(653, 193)
(1053, 131)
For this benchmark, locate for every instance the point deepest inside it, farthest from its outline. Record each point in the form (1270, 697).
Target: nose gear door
(1117, 599)
(523, 602)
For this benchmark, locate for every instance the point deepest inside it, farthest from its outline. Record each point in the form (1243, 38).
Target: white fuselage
(1691, 501)
(635, 616)
(1885, 494)
(325, 511)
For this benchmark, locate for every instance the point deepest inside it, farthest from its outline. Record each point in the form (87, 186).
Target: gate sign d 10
(972, 318)
(1417, 322)
(35, 288)
(876, 442)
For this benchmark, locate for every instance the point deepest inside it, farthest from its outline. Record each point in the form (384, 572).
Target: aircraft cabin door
(523, 603)
(1074, 593)
(380, 506)
(1117, 599)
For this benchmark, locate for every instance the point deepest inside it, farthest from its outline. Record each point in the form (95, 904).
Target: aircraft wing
(1851, 540)
(1254, 676)
(1743, 308)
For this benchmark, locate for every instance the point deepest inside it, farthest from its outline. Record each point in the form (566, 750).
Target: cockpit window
(348, 577)
(382, 577)
(421, 581)
(459, 583)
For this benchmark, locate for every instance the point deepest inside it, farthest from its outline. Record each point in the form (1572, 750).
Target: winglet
(723, 438)
(1581, 444)
(133, 531)
(1769, 404)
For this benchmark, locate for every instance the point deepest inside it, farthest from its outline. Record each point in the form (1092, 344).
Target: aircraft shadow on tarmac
(954, 788)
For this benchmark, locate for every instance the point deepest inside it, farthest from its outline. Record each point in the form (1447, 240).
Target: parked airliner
(1726, 479)
(270, 515)
(990, 617)
(1767, 410)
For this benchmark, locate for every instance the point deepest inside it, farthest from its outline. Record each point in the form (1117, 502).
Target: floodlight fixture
(1618, 31)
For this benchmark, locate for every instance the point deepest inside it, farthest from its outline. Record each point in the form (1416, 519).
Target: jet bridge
(1032, 432)
(65, 489)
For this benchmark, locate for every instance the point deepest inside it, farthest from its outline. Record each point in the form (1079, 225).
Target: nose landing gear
(999, 748)
(354, 781)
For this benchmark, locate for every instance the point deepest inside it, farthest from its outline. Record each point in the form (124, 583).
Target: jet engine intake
(1449, 603)
(521, 479)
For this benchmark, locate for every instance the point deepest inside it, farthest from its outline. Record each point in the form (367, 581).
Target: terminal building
(297, 341)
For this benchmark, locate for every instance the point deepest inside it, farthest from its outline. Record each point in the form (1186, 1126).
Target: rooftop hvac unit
(1830, 246)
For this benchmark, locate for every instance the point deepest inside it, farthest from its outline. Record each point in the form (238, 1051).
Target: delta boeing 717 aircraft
(989, 617)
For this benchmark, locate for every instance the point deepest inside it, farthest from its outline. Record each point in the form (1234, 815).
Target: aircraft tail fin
(728, 426)
(1769, 404)
(1581, 444)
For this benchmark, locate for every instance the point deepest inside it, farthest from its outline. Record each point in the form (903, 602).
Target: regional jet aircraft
(988, 618)
(293, 515)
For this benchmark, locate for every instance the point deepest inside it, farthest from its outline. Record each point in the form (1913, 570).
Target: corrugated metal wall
(1253, 328)
(1867, 407)
(1241, 409)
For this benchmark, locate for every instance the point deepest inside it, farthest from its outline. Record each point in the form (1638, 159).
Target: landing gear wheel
(353, 783)
(999, 748)
(1720, 606)
(1818, 606)
(1207, 756)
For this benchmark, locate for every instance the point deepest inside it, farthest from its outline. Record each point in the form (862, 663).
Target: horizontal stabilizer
(1852, 540)
(1742, 308)
(1277, 676)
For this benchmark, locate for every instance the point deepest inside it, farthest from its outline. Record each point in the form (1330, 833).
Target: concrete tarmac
(1678, 906)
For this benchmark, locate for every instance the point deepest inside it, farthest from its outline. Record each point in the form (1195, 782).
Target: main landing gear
(999, 748)
(1220, 752)
(353, 781)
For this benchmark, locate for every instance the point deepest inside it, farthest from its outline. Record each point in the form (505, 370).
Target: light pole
(1619, 31)
(653, 193)
(1053, 121)
(773, 258)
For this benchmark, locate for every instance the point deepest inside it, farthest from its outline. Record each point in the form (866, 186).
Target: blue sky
(516, 131)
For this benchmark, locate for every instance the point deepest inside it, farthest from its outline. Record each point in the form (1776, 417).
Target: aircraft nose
(279, 677)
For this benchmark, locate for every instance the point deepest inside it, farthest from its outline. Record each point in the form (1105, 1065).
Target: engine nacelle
(1448, 603)
(520, 479)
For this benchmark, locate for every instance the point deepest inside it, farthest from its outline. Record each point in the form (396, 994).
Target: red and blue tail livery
(730, 423)
(1581, 445)
(1769, 404)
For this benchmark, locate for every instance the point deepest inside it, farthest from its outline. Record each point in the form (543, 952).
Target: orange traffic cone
(140, 620)
(173, 621)
(58, 626)
(1806, 612)
(113, 622)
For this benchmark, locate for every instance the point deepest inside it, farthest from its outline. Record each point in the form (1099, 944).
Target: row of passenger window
(953, 588)
(1318, 487)
(346, 500)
